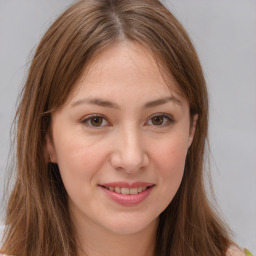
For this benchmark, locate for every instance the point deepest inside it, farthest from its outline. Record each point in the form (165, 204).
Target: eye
(160, 120)
(95, 121)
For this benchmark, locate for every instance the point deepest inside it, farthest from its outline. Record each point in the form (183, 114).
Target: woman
(111, 134)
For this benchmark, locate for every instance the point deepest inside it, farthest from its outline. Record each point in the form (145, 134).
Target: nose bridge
(129, 154)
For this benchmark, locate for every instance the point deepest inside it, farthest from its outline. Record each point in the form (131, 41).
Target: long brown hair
(37, 219)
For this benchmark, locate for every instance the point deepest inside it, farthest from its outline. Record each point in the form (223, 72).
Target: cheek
(80, 164)
(171, 154)
(169, 161)
(78, 159)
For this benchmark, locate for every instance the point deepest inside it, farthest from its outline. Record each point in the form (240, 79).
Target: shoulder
(235, 251)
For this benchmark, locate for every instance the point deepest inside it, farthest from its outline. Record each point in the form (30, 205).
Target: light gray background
(224, 33)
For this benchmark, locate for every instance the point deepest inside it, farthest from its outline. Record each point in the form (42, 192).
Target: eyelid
(87, 118)
(170, 118)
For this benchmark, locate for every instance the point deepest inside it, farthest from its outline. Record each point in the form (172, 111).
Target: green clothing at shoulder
(247, 252)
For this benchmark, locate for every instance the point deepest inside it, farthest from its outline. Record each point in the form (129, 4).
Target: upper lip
(123, 184)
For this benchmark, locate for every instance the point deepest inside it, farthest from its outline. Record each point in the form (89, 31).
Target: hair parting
(37, 220)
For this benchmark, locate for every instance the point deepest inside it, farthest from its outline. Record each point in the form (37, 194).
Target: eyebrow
(106, 103)
(162, 101)
(96, 101)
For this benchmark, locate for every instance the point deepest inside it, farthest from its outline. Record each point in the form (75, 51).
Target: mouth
(127, 194)
(127, 191)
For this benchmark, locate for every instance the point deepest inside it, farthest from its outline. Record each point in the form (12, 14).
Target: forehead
(123, 68)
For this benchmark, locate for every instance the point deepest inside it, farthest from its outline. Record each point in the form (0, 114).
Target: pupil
(96, 121)
(158, 120)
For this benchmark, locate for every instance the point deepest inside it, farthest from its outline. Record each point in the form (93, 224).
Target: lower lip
(128, 200)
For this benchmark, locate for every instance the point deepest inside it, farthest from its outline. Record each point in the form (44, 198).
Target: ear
(192, 129)
(50, 154)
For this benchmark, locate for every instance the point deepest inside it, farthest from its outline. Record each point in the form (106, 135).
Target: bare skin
(121, 124)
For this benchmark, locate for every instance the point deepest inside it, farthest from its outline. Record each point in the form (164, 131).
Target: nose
(129, 154)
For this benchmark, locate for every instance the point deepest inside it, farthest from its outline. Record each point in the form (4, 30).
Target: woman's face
(120, 141)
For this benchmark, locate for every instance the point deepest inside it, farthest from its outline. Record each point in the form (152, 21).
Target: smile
(127, 191)
(127, 194)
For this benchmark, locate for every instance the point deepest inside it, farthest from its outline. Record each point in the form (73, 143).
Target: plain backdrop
(224, 34)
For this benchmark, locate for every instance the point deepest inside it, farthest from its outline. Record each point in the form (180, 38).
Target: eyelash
(90, 118)
(167, 120)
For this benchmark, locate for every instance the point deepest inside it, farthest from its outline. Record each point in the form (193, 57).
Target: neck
(97, 241)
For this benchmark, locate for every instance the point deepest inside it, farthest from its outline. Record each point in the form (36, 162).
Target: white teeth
(133, 191)
(117, 190)
(127, 191)
(139, 189)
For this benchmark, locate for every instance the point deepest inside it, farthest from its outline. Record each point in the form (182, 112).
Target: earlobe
(50, 155)
(192, 129)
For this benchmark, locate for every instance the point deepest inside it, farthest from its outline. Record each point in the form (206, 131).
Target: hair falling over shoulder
(37, 218)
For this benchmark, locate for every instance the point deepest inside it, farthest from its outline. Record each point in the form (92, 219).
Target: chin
(130, 227)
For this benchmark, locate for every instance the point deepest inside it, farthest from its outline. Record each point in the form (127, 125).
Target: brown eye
(161, 120)
(157, 120)
(96, 121)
